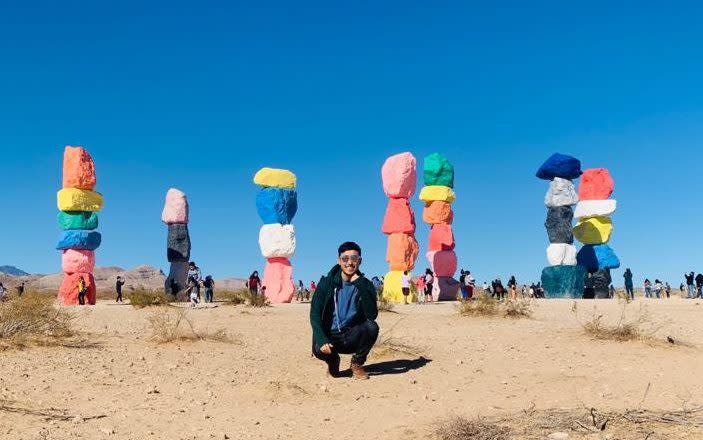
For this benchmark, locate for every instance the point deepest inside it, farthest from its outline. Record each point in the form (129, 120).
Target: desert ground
(260, 381)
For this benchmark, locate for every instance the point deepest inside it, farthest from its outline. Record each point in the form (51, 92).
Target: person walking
(343, 314)
(512, 287)
(254, 282)
(470, 283)
(429, 280)
(647, 288)
(209, 285)
(194, 291)
(658, 288)
(629, 287)
(420, 284)
(612, 291)
(81, 290)
(20, 289)
(462, 284)
(405, 286)
(118, 288)
(667, 289)
(699, 286)
(300, 294)
(690, 287)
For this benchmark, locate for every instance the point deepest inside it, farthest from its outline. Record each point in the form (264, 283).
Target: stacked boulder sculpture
(277, 204)
(399, 176)
(438, 195)
(594, 228)
(78, 203)
(563, 278)
(176, 216)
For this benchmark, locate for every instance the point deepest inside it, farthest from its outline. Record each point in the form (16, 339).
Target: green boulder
(563, 281)
(72, 220)
(438, 171)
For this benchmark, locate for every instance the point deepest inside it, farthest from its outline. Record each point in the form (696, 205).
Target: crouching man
(343, 314)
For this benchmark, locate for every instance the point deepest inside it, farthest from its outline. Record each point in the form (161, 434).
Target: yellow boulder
(275, 178)
(593, 230)
(437, 193)
(75, 199)
(391, 288)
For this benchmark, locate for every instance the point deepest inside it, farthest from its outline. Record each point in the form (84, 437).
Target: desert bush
(477, 429)
(146, 298)
(232, 296)
(173, 325)
(34, 319)
(384, 305)
(637, 326)
(484, 305)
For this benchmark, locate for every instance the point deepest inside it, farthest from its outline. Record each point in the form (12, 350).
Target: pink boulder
(399, 217)
(596, 184)
(441, 238)
(402, 251)
(77, 260)
(176, 207)
(399, 176)
(278, 280)
(78, 169)
(68, 292)
(443, 263)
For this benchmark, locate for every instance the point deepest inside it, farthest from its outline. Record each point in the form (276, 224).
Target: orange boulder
(441, 238)
(596, 184)
(68, 292)
(438, 212)
(399, 217)
(78, 169)
(402, 251)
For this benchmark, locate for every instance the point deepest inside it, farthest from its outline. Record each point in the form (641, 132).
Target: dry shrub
(173, 325)
(147, 298)
(232, 296)
(627, 328)
(461, 428)
(34, 319)
(384, 305)
(483, 305)
(388, 345)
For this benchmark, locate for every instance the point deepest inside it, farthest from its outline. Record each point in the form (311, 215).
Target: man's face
(350, 262)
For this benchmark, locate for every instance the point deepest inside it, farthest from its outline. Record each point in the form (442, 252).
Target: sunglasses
(352, 258)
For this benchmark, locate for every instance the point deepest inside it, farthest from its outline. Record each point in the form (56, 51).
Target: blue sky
(199, 96)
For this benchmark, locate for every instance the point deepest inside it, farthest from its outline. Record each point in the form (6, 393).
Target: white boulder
(595, 208)
(561, 193)
(561, 254)
(277, 240)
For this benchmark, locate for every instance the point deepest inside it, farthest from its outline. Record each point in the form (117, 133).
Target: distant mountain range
(12, 270)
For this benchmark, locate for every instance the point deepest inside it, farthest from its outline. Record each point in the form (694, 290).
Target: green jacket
(322, 307)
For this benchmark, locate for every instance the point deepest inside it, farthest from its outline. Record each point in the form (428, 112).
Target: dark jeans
(630, 290)
(357, 341)
(81, 298)
(119, 296)
(208, 295)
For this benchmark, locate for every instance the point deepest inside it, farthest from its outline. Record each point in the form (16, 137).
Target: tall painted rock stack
(563, 278)
(399, 176)
(594, 228)
(78, 203)
(176, 216)
(277, 203)
(438, 195)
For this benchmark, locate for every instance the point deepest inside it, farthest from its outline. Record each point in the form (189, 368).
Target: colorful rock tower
(176, 216)
(563, 278)
(277, 203)
(438, 195)
(399, 176)
(594, 228)
(78, 204)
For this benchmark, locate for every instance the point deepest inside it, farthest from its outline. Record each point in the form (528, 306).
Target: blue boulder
(560, 165)
(596, 257)
(277, 205)
(86, 240)
(563, 281)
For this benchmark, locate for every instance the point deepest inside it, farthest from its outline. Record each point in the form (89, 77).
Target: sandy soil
(267, 386)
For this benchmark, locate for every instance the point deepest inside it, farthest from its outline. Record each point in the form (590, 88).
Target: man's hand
(327, 348)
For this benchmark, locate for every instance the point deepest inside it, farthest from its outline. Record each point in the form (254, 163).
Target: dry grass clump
(636, 327)
(461, 428)
(388, 345)
(147, 298)
(174, 325)
(384, 305)
(243, 296)
(34, 319)
(484, 305)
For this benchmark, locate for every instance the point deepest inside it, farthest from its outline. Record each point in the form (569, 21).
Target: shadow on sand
(398, 366)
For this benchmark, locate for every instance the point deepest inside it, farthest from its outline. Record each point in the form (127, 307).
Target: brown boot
(358, 371)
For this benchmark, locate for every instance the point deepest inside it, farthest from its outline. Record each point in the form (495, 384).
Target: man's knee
(371, 327)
